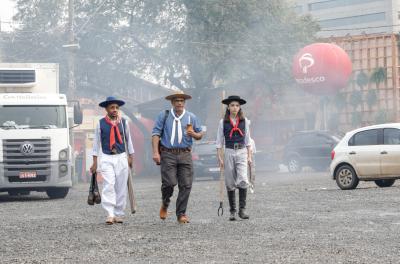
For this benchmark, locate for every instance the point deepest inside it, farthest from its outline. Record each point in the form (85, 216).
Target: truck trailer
(35, 130)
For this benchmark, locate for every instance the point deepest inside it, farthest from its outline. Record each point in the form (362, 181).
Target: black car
(309, 148)
(205, 162)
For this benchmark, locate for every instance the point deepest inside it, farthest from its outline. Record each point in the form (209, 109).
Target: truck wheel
(384, 183)
(294, 165)
(57, 193)
(346, 178)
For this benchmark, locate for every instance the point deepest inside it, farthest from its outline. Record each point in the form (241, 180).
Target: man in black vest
(109, 140)
(234, 135)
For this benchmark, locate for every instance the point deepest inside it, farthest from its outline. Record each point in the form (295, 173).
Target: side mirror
(78, 116)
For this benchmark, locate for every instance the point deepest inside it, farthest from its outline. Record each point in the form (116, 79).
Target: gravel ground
(301, 218)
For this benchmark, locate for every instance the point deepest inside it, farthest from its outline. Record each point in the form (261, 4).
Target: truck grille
(17, 76)
(26, 155)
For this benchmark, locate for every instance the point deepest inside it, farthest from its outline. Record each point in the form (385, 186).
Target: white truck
(35, 127)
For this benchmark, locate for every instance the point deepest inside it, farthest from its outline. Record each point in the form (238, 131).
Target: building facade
(352, 17)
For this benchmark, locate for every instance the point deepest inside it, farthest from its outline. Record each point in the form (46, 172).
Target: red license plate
(27, 174)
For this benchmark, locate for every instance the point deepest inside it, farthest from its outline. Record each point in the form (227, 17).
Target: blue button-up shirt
(187, 141)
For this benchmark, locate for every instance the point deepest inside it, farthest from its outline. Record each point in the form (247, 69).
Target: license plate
(213, 169)
(27, 174)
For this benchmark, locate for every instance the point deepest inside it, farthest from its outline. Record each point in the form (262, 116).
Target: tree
(188, 44)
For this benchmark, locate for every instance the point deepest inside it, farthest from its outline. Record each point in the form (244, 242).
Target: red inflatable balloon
(322, 68)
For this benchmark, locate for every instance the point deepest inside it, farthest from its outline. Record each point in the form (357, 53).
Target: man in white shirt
(111, 134)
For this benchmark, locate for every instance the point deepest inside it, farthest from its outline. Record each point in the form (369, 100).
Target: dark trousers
(176, 168)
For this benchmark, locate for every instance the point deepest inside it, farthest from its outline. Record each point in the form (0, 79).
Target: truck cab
(35, 149)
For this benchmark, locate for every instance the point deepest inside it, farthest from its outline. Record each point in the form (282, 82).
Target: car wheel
(384, 183)
(294, 165)
(346, 178)
(57, 193)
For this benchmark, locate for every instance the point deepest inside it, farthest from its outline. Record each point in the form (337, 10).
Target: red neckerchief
(235, 127)
(112, 132)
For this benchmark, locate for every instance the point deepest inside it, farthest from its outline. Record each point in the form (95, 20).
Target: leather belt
(235, 146)
(175, 150)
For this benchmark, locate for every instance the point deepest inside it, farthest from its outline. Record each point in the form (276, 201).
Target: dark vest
(105, 130)
(236, 137)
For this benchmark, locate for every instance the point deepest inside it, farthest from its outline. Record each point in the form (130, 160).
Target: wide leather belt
(235, 146)
(175, 150)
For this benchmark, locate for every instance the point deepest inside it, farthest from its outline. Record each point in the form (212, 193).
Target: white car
(367, 154)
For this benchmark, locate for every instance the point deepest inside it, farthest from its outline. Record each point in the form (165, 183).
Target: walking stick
(131, 194)
(221, 175)
(251, 177)
(221, 191)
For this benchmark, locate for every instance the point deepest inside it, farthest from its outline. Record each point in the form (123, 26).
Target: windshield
(32, 117)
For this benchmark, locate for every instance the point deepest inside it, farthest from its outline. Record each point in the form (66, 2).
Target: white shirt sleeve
(247, 141)
(220, 142)
(128, 135)
(96, 141)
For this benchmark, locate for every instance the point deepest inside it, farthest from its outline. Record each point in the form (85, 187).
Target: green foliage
(378, 75)
(183, 43)
(340, 101)
(362, 79)
(372, 98)
(356, 98)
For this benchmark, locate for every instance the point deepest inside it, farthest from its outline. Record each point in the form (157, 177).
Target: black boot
(242, 203)
(232, 205)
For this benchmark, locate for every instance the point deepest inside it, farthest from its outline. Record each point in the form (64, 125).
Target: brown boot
(118, 220)
(110, 220)
(163, 212)
(183, 219)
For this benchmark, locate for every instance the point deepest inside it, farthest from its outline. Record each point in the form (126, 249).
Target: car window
(203, 149)
(391, 136)
(322, 140)
(302, 139)
(368, 137)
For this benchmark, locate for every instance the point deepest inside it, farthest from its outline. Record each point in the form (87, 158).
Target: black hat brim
(229, 100)
(107, 103)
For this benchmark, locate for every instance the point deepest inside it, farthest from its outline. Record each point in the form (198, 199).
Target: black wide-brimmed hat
(233, 98)
(111, 100)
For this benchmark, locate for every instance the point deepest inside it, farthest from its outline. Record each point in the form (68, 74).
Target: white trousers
(236, 169)
(114, 169)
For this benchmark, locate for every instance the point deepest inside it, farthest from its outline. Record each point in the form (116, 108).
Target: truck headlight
(63, 155)
(63, 168)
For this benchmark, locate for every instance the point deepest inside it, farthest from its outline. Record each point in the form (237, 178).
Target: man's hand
(130, 162)
(191, 133)
(157, 158)
(196, 136)
(221, 162)
(249, 159)
(93, 168)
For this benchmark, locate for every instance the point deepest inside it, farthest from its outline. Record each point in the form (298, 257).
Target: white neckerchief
(177, 121)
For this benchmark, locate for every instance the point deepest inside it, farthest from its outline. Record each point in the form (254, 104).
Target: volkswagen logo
(27, 149)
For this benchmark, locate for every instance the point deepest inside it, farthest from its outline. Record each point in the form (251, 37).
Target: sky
(6, 12)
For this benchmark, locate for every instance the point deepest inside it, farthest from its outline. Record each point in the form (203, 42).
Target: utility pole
(71, 53)
(71, 78)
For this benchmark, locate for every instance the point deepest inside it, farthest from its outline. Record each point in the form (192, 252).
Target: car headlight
(63, 155)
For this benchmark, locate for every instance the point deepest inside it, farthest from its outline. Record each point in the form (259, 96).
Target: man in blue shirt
(172, 139)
